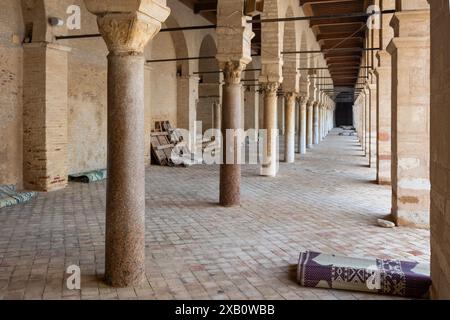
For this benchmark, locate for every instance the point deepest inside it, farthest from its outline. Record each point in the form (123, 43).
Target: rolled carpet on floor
(88, 177)
(388, 277)
(9, 196)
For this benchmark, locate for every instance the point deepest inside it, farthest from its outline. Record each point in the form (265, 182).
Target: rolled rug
(387, 277)
(88, 177)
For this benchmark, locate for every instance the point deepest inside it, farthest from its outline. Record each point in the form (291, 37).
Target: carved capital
(232, 71)
(270, 88)
(127, 27)
(290, 97)
(303, 100)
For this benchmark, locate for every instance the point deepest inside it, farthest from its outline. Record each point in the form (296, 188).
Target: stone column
(316, 138)
(320, 124)
(251, 109)
(45, 112)
(310, 123)
(217, 108)
(411, 114)
(373, 125)
(440, 150)
(362, 107)
(303, 125)
(230, 170)
(147, 114)
(270, 153)
(187, 100)
(126, 29)
(367, 122)
(281, 115)
(289, 136)
(233, 54)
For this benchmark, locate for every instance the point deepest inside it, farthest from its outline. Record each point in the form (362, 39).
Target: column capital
(303, 99)
(270, 88)
(232, 71)
(290, 95)
(127, 26)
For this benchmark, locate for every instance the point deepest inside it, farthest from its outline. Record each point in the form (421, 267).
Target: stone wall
(440, 149)
(11, 54)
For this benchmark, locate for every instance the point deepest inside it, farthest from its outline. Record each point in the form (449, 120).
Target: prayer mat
(9, 196)
(88, 177)
(387, 277)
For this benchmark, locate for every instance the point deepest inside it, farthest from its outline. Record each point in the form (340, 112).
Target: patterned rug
(10, 197)
(388, 277)
(88, 177)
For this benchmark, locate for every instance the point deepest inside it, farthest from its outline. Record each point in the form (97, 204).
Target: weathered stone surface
(45, 116)
(440, 150)
(411, 118)
(270, 163)
(289, 153)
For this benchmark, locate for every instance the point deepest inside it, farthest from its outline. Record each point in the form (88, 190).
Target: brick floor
(327, 201)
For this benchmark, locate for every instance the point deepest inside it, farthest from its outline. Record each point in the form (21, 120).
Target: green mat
(88, 177)
(10, 197)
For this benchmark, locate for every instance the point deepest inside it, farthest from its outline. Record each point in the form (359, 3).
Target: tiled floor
(327, 202)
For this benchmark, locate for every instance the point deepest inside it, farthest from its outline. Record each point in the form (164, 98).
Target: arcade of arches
(72, 103)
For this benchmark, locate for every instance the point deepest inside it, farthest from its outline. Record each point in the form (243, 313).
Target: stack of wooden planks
(168, 147)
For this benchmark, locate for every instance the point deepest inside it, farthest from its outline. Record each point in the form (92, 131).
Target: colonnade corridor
(195, 249)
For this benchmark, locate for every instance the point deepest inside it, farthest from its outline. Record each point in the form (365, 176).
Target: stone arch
(35, 20)
(290, 61)
(304, 64)
(162, 81)
(208, 47)
(209, 87)
(181, 49)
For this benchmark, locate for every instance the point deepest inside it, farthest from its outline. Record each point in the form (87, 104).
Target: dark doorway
(344, 111)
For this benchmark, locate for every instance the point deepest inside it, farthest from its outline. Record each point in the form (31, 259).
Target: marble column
(303, 126)
(323, 126)
(289, 136)
(373, 125)
(367, 122)
(187, 100)
(232, 60)
(126, 29)
(217, 109)
(363, 121)
(316, 138)
(270, 153)
(320, 124)
(310, 124)
(411, 115)
(230, 170)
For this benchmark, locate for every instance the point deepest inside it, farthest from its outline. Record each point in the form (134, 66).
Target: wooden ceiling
(206, 8)
(344, 33)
